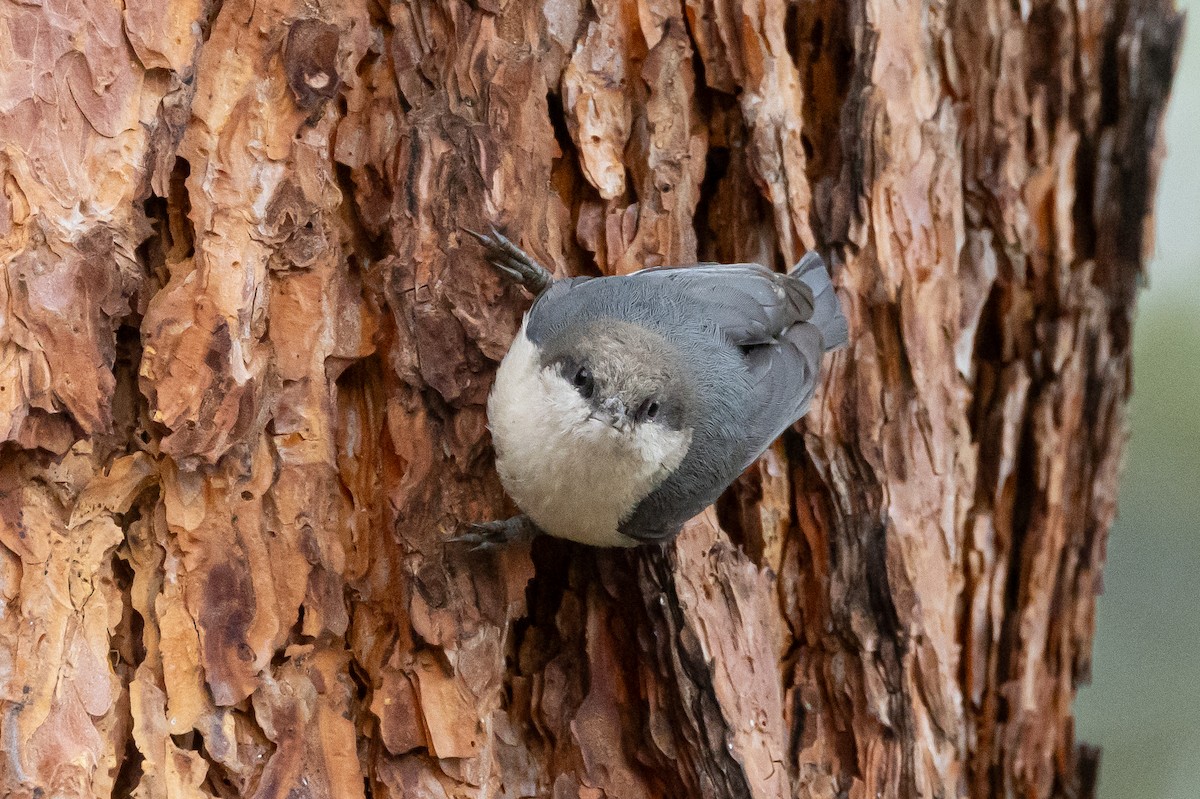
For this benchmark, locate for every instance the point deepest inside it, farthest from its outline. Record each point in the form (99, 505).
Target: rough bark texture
(244, 353)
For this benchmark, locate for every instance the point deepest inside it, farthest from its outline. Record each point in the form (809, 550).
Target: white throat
(574, 476)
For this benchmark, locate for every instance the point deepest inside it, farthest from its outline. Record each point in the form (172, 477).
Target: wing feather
(748, 303)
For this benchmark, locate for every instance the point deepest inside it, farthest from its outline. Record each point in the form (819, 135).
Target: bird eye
(584, 383)
(648, 409)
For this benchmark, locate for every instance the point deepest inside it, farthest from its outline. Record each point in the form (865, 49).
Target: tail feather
(827, 314)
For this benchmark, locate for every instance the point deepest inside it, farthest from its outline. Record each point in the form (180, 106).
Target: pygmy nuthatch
(627, 404)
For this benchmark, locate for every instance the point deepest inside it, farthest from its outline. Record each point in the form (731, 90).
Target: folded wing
(780, 326)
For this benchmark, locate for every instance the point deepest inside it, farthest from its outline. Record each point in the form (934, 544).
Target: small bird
(627, 404)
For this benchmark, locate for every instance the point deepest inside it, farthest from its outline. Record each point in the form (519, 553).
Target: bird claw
(512, 261)
(478, 538)
(484, 536)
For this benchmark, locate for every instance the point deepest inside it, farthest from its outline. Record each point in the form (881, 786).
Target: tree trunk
(245, 349)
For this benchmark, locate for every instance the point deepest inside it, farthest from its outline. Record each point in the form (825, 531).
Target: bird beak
(614, 414)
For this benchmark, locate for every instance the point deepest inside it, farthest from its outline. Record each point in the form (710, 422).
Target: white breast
(574, 476)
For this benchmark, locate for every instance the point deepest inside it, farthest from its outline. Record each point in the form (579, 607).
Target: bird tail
(827, 314)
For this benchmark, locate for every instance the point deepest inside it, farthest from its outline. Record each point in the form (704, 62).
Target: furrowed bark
(245, 348)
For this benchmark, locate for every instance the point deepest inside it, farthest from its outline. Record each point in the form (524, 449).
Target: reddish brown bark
(245, 348)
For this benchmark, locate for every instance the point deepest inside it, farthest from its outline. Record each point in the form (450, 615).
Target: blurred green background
(1143, 706)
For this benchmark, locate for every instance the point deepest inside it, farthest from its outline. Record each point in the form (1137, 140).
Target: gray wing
(764, 315)
(747, 304)
(754, 391)
(781, 324)
(773, 390)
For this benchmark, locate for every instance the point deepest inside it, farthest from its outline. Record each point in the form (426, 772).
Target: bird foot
(513, 262)
(489, 535)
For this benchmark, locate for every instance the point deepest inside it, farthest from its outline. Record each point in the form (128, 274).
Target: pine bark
(245, 349)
